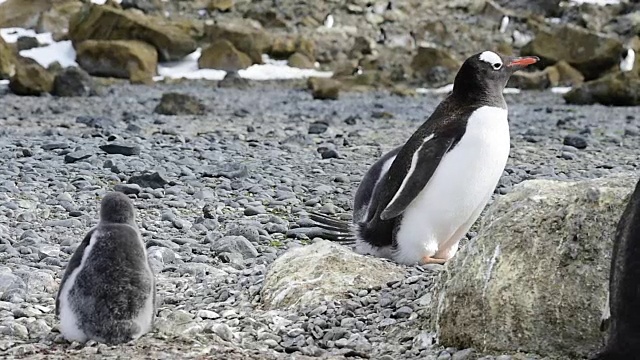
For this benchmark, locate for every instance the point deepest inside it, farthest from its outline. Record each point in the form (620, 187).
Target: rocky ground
(249, 167)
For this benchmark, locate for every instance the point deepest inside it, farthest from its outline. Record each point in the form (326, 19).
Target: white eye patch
(492, 58)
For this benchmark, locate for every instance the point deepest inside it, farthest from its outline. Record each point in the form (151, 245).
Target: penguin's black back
(624, 286)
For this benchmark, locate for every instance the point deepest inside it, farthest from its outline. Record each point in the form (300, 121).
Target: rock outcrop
(22, 13)
(179, 104)
(31, 78)
(222, 55)
(7, 60)
(126, 59)
(617, 89)
(431, 60)
(56, 19)
(324, 89)
(322, 271)
(73, 81)
(246, 35)
(589, 52)
(535, 279)
(94, 22)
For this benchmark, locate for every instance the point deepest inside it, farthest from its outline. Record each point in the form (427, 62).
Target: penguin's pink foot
(431, 260)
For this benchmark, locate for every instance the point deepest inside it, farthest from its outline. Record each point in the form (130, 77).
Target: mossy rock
(617, 89)
(94, 22)
(125, 59)
(7, 60)
(535, 279)
(324, 89)
(429, 58)
(22, 13)
(222, 55)
(56, 19)
(31, 79)
(220, 5)
(246, 35)
(589, 52)
(300, 61)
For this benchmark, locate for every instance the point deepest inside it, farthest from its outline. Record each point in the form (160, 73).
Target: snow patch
(11, 35)
(448, 88)
(62, 52)
(270, 70)
(560, 89)
(101, 2)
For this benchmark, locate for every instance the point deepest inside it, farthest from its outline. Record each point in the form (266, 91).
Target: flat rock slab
(322, 271)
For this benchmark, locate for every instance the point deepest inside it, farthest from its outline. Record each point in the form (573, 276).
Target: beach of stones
(251, 166)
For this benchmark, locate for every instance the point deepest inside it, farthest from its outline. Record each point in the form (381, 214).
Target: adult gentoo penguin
(418, 200)
(624, 287)
(107, 293)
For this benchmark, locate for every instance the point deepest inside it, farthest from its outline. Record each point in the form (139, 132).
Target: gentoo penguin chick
(504, 23)
(107, 293)
(624, 286)
(418, 200)
(328, 21)
(628, 60)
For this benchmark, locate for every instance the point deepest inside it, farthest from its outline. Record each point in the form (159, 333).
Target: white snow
(560, 89)
(596, 2)
(4, 82)
(62, 52)
(270, 70)
(11, 35)
(448, 88)
(441, 90)
(101, 2)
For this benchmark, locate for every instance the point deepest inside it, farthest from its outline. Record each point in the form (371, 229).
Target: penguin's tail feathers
(330, 228)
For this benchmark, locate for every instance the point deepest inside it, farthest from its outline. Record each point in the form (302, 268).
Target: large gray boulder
(323, 271)
(535, 279)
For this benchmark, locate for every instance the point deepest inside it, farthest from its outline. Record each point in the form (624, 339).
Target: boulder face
(94, 22)
(285, 46)
(179, 104)
(429, 59)
(322, 271)
(300, 61)
(566, 74)
(22, 13)
(126, 59)
(617, 89)
(535, 279)
(324, 89)
(246, 35)
(589, 52)
(31, 79)
(7, 60)
(56, 18)
(222, 55)
(73, 81)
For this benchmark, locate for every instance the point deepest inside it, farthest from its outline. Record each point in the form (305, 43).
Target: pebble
(576, 141)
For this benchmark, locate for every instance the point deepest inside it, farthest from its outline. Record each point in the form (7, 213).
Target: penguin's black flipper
(324, 219)
(329, 228)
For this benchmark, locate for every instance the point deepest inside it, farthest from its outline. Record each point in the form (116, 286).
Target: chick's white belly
(458, 190)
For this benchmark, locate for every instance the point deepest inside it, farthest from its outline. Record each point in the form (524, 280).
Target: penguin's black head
(117, 208)
(486, 73)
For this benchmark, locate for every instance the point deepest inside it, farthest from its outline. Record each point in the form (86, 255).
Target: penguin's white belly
(459, 188)
(69, 326)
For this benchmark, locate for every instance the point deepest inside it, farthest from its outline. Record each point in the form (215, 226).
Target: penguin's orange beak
(522, 62)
